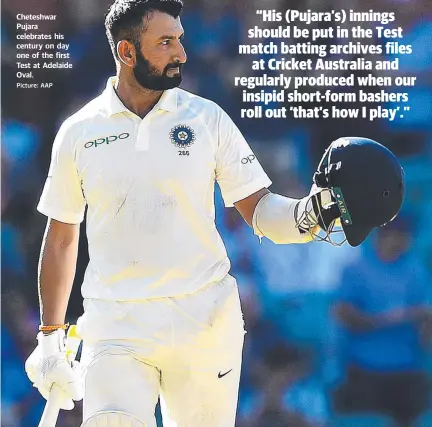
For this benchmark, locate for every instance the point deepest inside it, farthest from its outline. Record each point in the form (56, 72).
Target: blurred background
(337, 337)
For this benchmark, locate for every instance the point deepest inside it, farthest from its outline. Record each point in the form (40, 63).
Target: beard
(149, 77)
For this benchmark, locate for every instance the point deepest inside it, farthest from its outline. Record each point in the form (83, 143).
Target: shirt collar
(113, 105)
(168, 100)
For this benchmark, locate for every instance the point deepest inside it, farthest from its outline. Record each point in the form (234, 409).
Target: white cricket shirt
(149, 188)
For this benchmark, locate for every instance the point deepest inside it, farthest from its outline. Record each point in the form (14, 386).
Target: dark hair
(124, 19)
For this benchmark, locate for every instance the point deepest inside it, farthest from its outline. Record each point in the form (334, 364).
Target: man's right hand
(48, 365)
(318, 209)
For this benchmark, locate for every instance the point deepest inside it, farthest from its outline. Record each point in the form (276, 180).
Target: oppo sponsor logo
(107, 140)
(248, 159)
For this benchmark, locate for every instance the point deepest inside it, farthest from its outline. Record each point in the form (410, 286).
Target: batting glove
(48, 365)
(317, 209)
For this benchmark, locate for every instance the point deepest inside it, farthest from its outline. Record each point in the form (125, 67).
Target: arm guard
(275, 218)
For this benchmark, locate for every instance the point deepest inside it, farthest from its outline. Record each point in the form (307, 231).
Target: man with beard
(162, 315)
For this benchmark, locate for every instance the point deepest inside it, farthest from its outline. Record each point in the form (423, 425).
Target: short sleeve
(238, 171)
(62, 198)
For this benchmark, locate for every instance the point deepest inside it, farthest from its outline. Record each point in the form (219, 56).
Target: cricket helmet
(367, 184)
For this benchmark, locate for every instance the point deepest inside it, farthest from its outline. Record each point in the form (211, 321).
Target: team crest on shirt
(182, 136)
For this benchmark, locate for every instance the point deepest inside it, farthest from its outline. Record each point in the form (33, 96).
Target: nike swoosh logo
(222, 375)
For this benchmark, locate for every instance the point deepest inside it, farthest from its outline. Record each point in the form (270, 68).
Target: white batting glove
(317, 209)
(48, 365)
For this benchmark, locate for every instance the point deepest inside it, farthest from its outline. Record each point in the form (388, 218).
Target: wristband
(52, 328)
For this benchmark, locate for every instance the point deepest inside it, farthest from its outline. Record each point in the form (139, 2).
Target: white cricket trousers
(185, 349)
